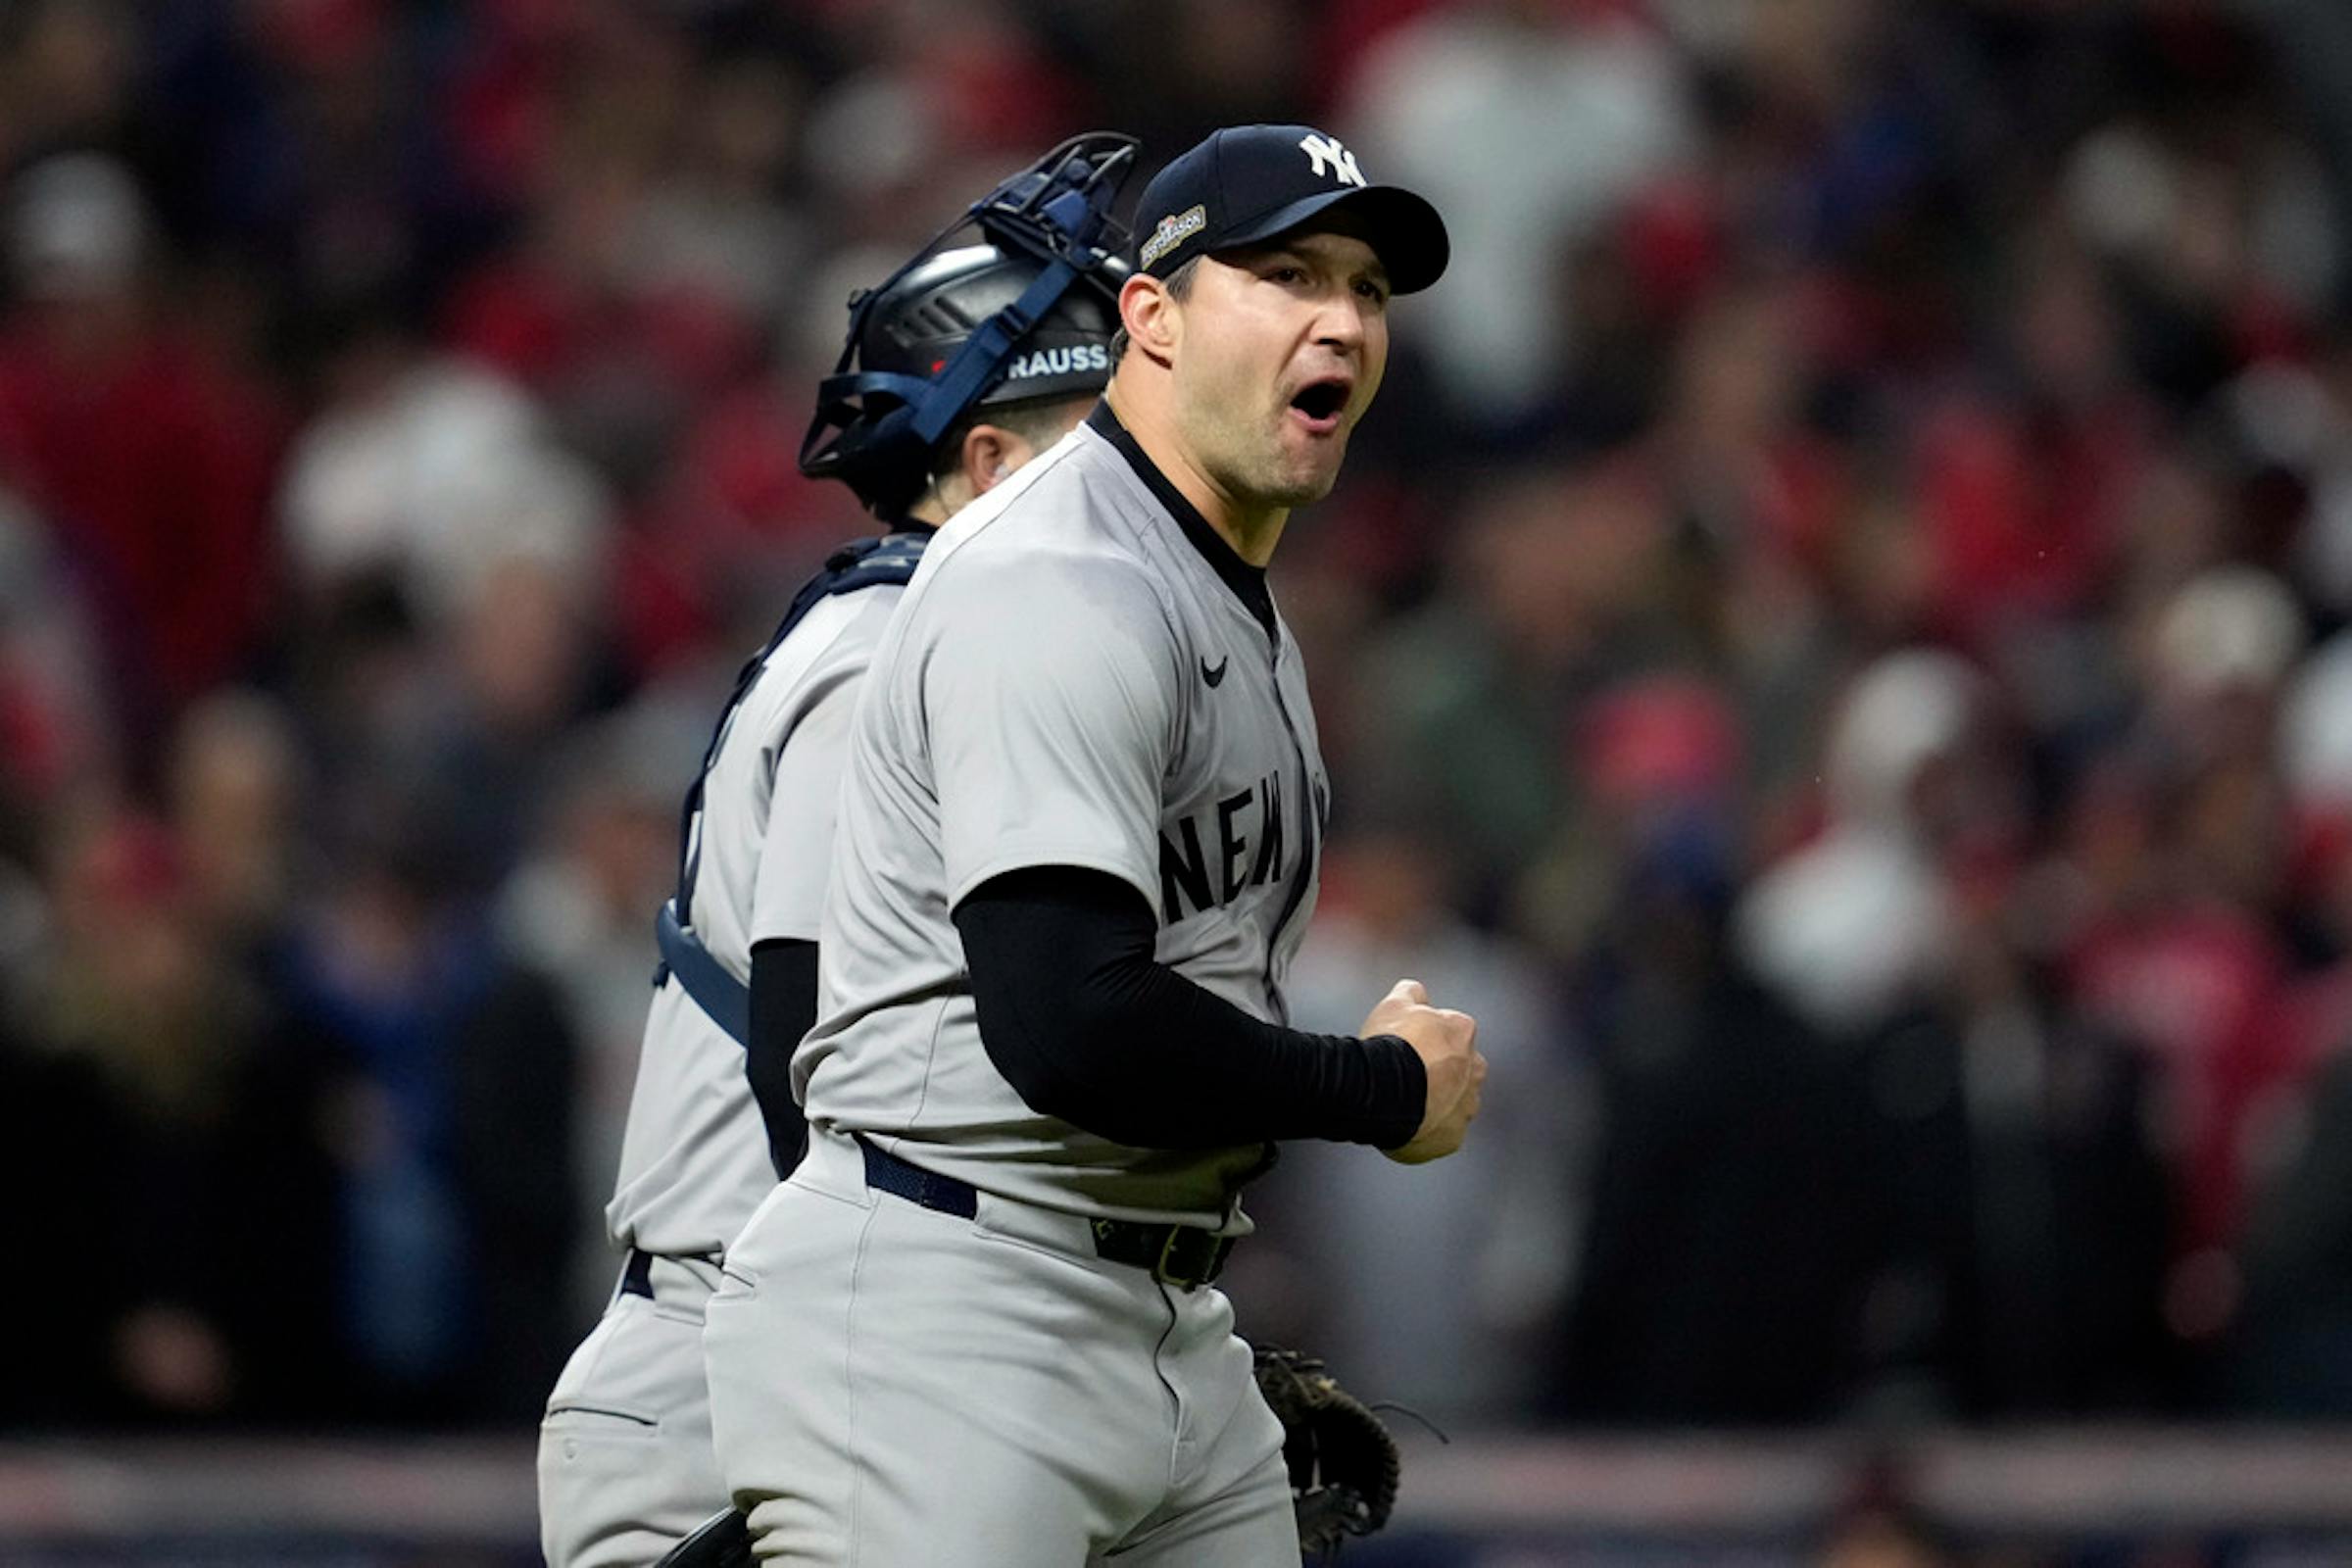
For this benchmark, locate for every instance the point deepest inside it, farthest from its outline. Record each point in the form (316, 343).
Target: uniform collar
(1248, 583)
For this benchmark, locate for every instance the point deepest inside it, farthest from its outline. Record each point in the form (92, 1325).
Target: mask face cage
(874, 430)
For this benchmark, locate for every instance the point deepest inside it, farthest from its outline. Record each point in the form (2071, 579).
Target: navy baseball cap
(1248, 184)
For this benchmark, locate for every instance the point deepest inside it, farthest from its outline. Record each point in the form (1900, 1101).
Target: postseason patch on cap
(1172, 231)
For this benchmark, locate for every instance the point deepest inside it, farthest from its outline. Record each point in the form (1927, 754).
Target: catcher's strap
(723, 1541)
(1343, 1463)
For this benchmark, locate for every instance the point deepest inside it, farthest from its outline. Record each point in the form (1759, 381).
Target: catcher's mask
(1027, 312)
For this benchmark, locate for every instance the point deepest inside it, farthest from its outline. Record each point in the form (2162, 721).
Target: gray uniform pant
(625, 1466)
(892, 1385)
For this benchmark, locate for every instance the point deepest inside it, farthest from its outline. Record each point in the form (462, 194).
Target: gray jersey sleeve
(788, 898)
(1050, 708)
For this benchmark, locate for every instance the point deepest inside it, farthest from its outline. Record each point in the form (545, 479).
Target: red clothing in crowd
(2201, 990)
(152, 468)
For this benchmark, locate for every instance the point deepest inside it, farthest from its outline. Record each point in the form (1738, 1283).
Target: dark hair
(1180, 287)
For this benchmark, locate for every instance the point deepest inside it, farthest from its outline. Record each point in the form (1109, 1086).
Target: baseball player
(945, 388)
(1078, 839)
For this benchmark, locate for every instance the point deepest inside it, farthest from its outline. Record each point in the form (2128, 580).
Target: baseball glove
(1343, 1464)
(722, 1540)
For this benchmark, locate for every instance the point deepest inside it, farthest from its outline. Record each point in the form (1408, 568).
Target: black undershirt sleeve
(1085, 1025)
(783, 1009)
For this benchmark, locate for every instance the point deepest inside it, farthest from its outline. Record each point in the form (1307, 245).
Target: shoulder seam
(832, 637)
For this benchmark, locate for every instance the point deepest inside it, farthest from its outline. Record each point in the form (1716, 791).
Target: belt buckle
(1166, 1271)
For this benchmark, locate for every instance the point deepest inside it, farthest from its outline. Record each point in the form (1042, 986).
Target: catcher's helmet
(1027, 312)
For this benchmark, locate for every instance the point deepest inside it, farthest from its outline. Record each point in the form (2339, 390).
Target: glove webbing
(1345, 1467)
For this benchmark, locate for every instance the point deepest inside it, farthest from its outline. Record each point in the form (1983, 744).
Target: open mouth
(1319, 403)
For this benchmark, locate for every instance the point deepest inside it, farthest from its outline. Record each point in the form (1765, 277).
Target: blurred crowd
(1833, 643)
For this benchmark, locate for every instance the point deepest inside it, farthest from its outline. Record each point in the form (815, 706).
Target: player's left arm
(788, 894)
(1086, 1025)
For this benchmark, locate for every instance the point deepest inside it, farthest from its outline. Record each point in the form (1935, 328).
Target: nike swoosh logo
(1213, 676)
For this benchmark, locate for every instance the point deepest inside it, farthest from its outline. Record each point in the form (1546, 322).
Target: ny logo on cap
(1332, 159)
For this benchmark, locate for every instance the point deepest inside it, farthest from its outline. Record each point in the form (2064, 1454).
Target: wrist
(1401, 1097)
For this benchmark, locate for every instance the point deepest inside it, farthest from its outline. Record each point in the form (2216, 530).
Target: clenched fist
(1447, 1044)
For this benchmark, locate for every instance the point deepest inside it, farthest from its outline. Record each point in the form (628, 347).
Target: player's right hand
(1447, 1044)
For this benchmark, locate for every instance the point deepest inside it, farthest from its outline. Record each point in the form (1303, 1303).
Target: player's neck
(1252, 531)
(1252, 535)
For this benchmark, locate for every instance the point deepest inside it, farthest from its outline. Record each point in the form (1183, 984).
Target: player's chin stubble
(1302, 477)
(1253, 461)
(1274, 478)
(1288, 473)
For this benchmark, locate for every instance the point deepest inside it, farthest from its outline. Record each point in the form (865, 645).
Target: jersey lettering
(1248, 833)
(1269, 849)
(1183, 870)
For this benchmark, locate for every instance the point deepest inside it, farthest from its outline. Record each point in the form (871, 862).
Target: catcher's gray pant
(625, 1466)
(892, 1385)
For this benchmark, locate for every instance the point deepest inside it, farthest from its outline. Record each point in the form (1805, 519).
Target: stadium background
(1830, 643)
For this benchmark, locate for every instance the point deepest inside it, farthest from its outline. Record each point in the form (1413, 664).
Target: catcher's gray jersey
(694, 1159)
(1070, 681)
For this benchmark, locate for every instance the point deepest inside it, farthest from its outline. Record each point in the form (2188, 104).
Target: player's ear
(1152, 316)
(990, 454)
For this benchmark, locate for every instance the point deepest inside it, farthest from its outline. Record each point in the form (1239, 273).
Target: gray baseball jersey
(1071, 681)
(694, 1159)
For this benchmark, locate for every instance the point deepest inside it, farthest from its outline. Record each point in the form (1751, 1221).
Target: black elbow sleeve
(783, 1011)
(1044, 949)
(1089, 1028)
